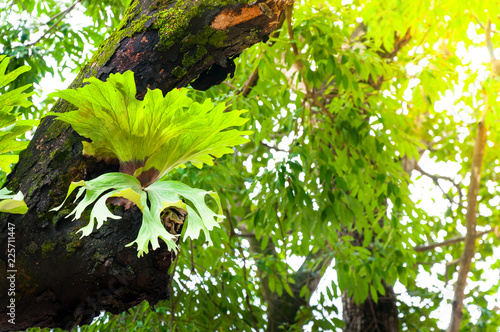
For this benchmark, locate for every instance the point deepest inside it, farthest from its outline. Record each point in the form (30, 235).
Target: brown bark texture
(369, 316)
(64, 281)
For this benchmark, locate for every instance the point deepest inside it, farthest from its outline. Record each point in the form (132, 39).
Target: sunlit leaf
(149, 137)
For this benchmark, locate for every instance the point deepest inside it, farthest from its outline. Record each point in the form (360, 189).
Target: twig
(453, 262)
(436, 178)
(62, 14)
(273, 147)
(137, 312)
(249, 235)
(53, 18)
(374, 316)
(447, 242)
(230, 85)
(487, 40)
(478, 21)
(193, 270)
(251, 81)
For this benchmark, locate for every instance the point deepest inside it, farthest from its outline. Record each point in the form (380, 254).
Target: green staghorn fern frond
(149, 138)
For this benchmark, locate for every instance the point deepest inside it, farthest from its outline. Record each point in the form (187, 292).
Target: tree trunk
(282, 309)
(370, 316)
(61, 280)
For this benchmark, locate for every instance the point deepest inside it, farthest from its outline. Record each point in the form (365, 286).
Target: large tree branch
(62, 280)
(447, 242)
(471, 221)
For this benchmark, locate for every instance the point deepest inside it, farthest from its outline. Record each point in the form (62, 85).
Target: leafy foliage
(37, 33)
(353, 109)
(10, 129)
(154, 135)
(151, 200)
(149, 137)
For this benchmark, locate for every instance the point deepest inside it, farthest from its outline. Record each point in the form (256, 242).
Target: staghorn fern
(149, 138)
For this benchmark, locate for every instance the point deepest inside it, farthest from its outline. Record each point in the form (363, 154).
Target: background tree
(345, 101)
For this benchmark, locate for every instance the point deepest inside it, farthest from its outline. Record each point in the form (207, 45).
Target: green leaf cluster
(152, 201)
(149, 138)
(153, 136)
(11, 128)
(40, 33)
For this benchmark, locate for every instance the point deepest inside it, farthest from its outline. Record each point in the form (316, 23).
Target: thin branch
(137, 312)
(62, 15)
(251, 82)
(193, 270)
(230, 85)
(56, 16)
(487, 40)
(447, 242)
(273, 147)
(436, 178)
(249, 235)
(478, 21)
(453, 262)
(374, 316)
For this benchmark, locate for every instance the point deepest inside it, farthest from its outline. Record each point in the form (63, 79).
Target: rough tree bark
(62, 280)
(370, 316)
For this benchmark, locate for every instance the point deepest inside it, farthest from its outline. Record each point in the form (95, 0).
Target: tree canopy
(365, 197)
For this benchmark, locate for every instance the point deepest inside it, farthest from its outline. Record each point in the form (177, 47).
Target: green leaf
(5, 79)
(200, 216)
(12, 203)
(10, 127)
(93, 189)
(161, 195)
(152, 229)
(153, 136)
